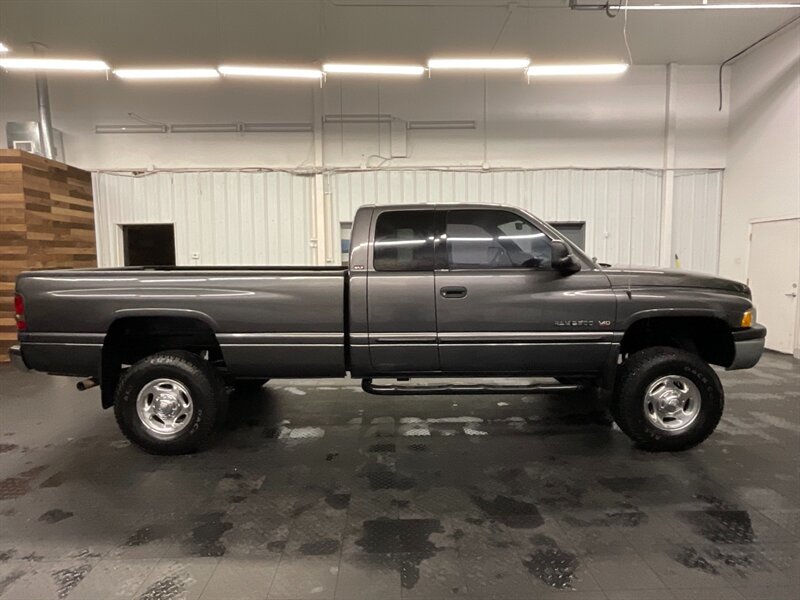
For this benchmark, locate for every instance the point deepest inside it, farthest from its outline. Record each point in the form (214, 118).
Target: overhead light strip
(571, 70)
(276, 72)
(368, 69)
(164, 74)
(52, 64)
(130, 129)
(481, 64)
(727, 6)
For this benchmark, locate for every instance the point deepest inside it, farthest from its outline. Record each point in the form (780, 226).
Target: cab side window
(404, 241)
(494, 239)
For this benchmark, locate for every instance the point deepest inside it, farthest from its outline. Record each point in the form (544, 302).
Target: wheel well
(708, 337)
(130, 339)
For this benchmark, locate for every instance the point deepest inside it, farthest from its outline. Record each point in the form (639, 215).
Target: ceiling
(208, 32)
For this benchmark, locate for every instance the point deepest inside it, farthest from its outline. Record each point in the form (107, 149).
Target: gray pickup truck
(431, 291)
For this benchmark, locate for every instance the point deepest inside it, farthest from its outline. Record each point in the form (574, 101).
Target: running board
(450, 389)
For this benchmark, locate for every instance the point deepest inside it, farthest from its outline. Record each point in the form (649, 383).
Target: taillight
(19, 312)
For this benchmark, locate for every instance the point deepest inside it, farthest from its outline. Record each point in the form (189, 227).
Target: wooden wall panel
(46, 222)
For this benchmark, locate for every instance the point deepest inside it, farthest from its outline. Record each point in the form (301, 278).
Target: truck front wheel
(667, 399)
(169, 402)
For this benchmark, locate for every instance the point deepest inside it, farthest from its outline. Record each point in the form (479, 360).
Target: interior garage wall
(220, 218)
(595, 123)
(267, 217)
(762, 178)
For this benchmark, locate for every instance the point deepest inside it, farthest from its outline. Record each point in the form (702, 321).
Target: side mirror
(562, 259)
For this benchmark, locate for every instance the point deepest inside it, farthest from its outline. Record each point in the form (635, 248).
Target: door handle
(455, 291)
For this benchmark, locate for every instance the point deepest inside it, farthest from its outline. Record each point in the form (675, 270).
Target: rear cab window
(404, 241)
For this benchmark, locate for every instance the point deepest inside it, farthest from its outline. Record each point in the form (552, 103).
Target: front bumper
(748, 346)
(15, 353)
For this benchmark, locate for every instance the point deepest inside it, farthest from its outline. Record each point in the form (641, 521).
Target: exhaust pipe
(87, 384)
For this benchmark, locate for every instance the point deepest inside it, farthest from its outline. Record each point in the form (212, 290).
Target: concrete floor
(317, 490)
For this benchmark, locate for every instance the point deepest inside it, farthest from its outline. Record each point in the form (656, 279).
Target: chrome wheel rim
(672, 403)
(165, 407)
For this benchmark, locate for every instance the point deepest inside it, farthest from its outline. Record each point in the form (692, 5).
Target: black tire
(207, 398)
(644, 368)
(249, 386)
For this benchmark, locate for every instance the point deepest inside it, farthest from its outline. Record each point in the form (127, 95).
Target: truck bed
(269, 321)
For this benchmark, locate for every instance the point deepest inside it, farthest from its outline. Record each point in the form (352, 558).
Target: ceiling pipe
(43, 105)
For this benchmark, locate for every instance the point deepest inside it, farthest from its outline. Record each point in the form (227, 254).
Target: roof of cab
(434, 205)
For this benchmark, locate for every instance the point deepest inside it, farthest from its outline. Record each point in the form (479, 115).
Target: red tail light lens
(19, 312)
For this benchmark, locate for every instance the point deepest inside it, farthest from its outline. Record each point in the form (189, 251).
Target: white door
(774, 271)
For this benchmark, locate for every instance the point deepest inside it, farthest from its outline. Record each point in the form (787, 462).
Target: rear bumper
(748, 346)
(15, 353)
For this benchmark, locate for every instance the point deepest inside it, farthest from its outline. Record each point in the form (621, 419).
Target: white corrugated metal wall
(221, 218)
(697, 210)
(266, 217)
(621, 207)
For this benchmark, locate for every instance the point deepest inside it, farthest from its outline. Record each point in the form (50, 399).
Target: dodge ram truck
(430, 291)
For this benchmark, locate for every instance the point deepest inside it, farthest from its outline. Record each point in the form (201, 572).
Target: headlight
(747, 318)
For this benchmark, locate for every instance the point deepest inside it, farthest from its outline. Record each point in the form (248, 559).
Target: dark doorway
(149, 245)
(574, 231)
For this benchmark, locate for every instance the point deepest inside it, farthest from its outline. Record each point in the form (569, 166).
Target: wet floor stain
(690, 558)
(330, 456)
(550, 564)
(276, 546)
(142, 536)
(55, 515)
(338, 501)
(407, 540)
(721, 526)
(206, 537)
(381, 477)
(54, 481)
(7, 448)
(7, 580)
(168, 588)
(320, 547)
(511, 512)
(611, 518)
(382, 448)
(67, 580)
(20, 484)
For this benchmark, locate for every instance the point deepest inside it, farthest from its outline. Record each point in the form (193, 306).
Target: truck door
(400, 294)
(502, 308)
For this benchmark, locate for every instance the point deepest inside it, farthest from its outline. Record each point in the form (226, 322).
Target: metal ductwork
(43, 106)
(45, 122)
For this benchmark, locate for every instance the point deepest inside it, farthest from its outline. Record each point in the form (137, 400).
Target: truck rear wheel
(667, 399)
(170, 402)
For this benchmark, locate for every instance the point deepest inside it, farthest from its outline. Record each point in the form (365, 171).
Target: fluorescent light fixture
(182, 73)
(567, 70)
(3, 47)
(358, 118)
(359, 69)
(130, 129)
(281, 72)
(725, 6)
(52, 64)
(482, 64)
(205, 128)
(276, 127)
(454, 124)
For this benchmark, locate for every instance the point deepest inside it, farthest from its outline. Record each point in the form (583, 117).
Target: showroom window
(404, 241)
(494, 239)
